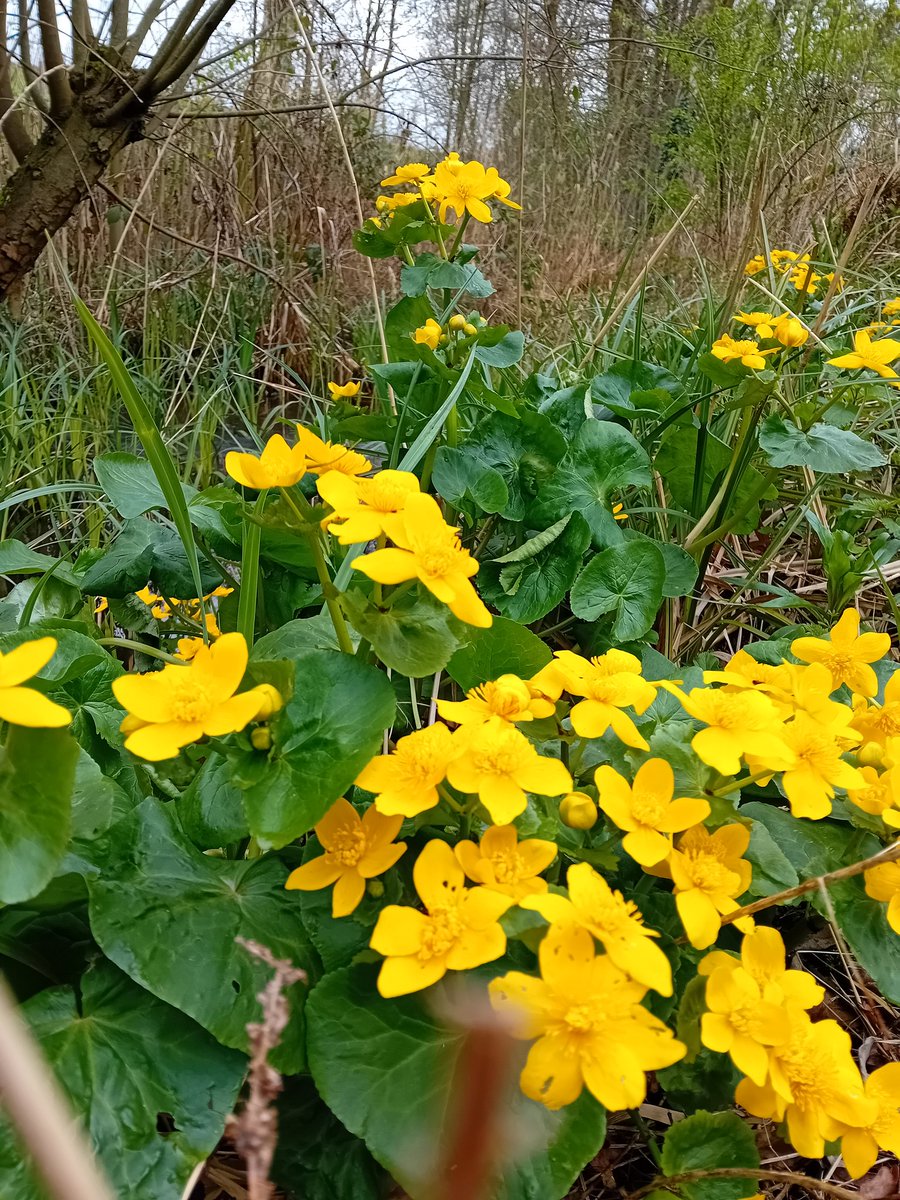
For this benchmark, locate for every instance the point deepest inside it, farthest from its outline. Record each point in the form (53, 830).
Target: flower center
(508, 868)
(840, 664)
(648, 808)
(707, 872)
(441, 933)
(582, 1018)
(888, 720)
(422, 765)
(190, 701)
(382, 495)
(503, 700)
(348, 846)
(500, 758)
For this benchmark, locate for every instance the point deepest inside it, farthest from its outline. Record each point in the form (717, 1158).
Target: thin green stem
(457, 241)
(736, 784)
(150, 651)
(332, 603)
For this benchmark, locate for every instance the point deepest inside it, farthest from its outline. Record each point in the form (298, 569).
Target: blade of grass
(433, 425)
(252, 536)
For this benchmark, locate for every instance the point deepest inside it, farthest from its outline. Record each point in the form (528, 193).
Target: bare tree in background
(90, 106)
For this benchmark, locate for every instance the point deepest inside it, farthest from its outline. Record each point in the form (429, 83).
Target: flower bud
(457, 322)
(870, 755)
(790, 331)
(261, 738)
(469, 329)
(443, 339)
(375, 888)
(578, 811)
(269, 701)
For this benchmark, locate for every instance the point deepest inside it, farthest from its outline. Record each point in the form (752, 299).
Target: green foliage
(505, 648)
(625, 581)
(823, 448)
(706, 1141)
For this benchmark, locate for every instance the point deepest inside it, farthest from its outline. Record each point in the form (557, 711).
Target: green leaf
(467, 483)
(211, 808)
(772, 869)
(328, 731)
(602, 461)
(18, 559)
(402, 320)
(308, 633)
(703, 1142)
(568, 408)
(168, 916)
(316, 1158)
(523, 450)
(505, 648)
(676, 461)
(626, 581)
(415, 636)
(505, 352)
(875, 945)
(431, 271)
(37, 772)
(387, 1070)
(710, 1079)
(152, 1089)
(722, 374)
(824, 448)
(680, 569)
(812, 847)
(131, 484)
(145, 550)
(531, 580)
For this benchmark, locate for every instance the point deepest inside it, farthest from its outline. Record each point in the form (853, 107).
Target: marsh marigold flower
(364, 508)
(819, 766)
(880, 722)
(738, 723)
(647, 810)
(870, 356)
(578, 811)
(498, 764)
(892, 308)
(590, 1026)
(746, 352)
(343, 391)
(756, 264)
(464, 187)
(878, 794)
(740, 1022)
(790, 331)
(428, 549)
(428, 334)
(325, 456)
(614, 921)
(500, 861)
(763, 322)
(459, 929)
(356, 849)
(501, 190)
(846, 652)
(860, 1145)
(405, 782)
(883, 883)
(708, 872)
(763, 959)
(608, 684)
(178, 705)
(813, 1084)
(410, 173)
(278, 465)
(23, 705)
(507, 697)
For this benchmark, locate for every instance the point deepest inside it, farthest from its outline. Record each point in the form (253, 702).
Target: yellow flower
(756, 264)
(709, 872)
(499, 765)
(364, 508)
(405, 783)
(458, 931)
(819, 766)
(814, 1084)
(591, 1028)
(507, 697)
(324, 456)
(428, 334)
(428, 549)
(883, 883)
(501, 190)
(763, 959)
(343, 391)
(790, 331)
(23, 705)
(892, 308)
(746, 352)
(846, 652)
(464, 187)
(880, 723)
(803, 277)
(178, 705)
(608, 684)
(741, 1023)
(158, 607)
(101, 606)
(743, 673)
(762, 322)
(618, 512)
(578, 811)
(782, 259)
(647, 811)
(614, 921)
(869, 355)
(411, 173)
(355, 850)
(390, 204)
(738, 723)
(504, 864)
(860, 1146)
(279, 465)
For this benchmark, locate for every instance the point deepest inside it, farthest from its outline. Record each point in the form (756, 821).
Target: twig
(785, 1177)
(40, 1114)
(255, 1130)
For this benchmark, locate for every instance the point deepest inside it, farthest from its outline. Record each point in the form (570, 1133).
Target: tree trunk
(59, 172)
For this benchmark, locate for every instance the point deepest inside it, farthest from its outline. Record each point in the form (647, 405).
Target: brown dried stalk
(786, 1177)
(255, 1129)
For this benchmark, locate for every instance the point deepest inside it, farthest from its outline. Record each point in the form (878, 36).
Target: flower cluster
(797, 267)
(466, 188)
(795, 1069)
(185, 613)
(432, 334)
(279, 465)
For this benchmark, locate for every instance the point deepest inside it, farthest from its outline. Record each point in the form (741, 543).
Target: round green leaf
(524, 450)
(530, 580)
(168, 916)
(506, 647)
(706, 1141)
(415, 636)
(467, 483)
(152, 1089)
(823, 448)
(625, 580)
(386, 1069)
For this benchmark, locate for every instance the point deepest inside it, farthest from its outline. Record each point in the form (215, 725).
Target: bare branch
(134, 43)
(118, 30)
(170, 43)
(82, 32)
(192, 48)
(13, 126)
(54, 63)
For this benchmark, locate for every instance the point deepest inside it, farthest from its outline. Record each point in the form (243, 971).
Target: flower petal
(400, 976)
(24, 662)
(25, 706)
(438, 877)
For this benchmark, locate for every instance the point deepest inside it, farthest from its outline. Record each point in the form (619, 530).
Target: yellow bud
(457, 322)
(870, 755)
(269, 701)
(578, 811)
(443, 339)
(261, 738)
(469, 329)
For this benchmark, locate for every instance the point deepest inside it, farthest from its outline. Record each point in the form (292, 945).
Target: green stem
(252, 538)
(736, 784)
(459, 234)
(150, 651)
(328, 592)
(445, 795)
(748, 424)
